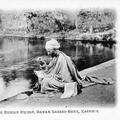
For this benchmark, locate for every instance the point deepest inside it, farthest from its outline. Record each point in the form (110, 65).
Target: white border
(105, 113)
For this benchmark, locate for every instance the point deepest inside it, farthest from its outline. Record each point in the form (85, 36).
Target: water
(18, 53)
(22, 51)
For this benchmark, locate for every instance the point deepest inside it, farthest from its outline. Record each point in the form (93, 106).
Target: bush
(43, 22)
(96, 20)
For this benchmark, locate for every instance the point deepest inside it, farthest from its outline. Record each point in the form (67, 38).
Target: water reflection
(14, 50)
(87, 54)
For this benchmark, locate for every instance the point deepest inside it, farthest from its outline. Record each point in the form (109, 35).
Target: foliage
(43, 22)
(96, 20)
(59, 24)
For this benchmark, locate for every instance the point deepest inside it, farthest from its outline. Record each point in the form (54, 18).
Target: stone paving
(97, 95)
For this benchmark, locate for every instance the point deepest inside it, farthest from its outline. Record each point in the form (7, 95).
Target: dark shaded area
(9, 76)
(27, 74)
(31, 76)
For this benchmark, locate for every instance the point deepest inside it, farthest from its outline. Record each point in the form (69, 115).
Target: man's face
(50, 52)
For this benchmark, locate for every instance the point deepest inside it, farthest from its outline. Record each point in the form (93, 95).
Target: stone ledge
(97, 67)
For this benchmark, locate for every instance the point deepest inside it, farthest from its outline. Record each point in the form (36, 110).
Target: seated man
(59, 71)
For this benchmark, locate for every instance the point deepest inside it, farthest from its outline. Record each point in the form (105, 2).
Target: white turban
(52, 44)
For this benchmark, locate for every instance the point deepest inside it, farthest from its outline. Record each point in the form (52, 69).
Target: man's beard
(53, 54)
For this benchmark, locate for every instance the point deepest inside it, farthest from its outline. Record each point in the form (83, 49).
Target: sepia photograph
(58, 57)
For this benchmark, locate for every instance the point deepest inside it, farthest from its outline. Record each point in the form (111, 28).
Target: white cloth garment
(69, 90)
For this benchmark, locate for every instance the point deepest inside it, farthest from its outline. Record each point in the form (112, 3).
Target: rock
(21, 96)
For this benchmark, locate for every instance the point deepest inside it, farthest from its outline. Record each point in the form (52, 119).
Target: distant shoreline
(71, 35)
